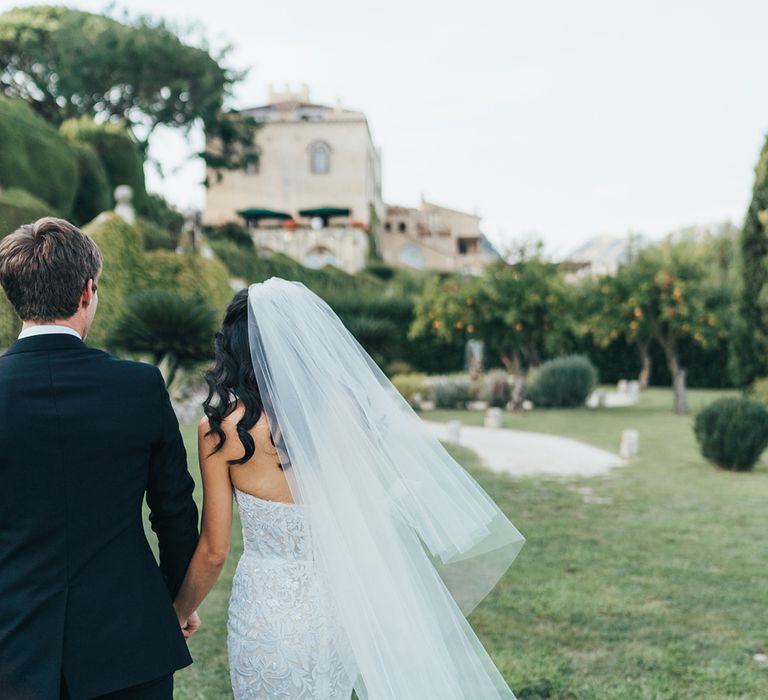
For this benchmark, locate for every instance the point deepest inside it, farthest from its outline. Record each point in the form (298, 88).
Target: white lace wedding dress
(284, 639)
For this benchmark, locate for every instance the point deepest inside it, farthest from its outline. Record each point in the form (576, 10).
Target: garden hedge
(35, 157)
(19, 207)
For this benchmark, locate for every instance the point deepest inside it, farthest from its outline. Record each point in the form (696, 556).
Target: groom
(85, 612)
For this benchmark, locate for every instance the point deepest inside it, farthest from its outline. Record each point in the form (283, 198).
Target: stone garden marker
(629, 445)
(124, 204)
(493, 418)
(454, 431)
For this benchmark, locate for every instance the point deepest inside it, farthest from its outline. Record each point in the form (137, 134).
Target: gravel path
(520, 453)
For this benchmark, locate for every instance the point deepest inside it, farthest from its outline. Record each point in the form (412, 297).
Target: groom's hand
(191, 625)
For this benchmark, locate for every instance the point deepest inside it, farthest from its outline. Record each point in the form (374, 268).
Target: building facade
(435, 238)
(314, 193)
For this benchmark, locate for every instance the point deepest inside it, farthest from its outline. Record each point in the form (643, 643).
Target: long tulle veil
(407, 540)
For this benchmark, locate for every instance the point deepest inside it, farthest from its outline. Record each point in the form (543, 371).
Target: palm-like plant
(176, 331)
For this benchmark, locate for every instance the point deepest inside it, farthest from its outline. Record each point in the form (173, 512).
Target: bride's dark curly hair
(232, 381)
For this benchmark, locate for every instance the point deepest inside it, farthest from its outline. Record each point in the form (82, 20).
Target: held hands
(190, 625)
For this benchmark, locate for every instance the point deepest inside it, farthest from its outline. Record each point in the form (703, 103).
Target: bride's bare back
(261, 476)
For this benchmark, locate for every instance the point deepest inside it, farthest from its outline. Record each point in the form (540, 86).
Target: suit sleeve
(173, 513)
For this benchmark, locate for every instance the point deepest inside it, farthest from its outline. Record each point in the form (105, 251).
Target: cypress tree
(749, 349)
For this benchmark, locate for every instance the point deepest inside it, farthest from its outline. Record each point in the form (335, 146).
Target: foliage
(414, 388)
(138, 70)
(674, 296)
(19, 207)
(36, 158)
(10, 324)
(518, 310)
(758, 390)
(176, 331)
(232, 232)
(189, 275)
(733, 432)
(94, 195)
(129, 268)
(164, 216)
(496, 389)
(155, 237)
(750, 339)
(118, 152)
(565, 382)
(451, 391)
(230, 142)
(375, 334)
(124, 272)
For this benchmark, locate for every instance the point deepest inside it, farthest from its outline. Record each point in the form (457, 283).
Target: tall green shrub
(118, 151)
(93, 194)
(19, 207)
(749, 347)
(124, 272)
(35, 157)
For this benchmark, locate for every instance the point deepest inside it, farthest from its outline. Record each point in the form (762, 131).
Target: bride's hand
(191, 625)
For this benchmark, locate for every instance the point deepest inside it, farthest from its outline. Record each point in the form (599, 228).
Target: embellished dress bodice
(284, 639)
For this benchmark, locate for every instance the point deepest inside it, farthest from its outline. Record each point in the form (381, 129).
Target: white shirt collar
(48, 330)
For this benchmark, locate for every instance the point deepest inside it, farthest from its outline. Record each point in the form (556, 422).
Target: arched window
(320, 157)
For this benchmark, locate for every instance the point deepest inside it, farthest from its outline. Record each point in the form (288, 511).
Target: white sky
(559, 119)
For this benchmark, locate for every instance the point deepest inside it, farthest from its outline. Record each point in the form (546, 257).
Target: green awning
(325, 212)
(258, 214)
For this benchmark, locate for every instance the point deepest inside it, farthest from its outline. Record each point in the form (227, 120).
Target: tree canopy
(67, 63)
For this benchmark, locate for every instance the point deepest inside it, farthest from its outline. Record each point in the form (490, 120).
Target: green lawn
(650, 584)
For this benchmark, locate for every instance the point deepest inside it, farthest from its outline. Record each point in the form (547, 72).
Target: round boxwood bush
(563, 383)
(732, 433)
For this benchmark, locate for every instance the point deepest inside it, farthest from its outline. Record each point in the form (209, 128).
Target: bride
(365, 543)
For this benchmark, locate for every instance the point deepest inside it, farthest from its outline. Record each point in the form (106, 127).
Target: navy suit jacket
(83, 437)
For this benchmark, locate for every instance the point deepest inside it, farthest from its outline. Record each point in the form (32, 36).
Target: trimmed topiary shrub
(189, 275)
(119, 154)
(36, 158)
(129, 268)
(563, 383)
(19, 207)
(93, 193)
(451, 392)
(732, 433)
(124, 271)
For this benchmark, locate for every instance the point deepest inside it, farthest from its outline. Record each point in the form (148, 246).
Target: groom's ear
(89, 293)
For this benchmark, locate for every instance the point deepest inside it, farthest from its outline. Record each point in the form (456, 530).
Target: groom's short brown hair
(45, 266)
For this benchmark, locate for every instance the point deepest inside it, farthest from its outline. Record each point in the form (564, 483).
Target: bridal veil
(407, 540)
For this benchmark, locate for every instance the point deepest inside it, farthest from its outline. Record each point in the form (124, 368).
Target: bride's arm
(213, 545)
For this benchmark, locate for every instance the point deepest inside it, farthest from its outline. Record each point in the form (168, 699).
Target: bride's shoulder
(228, 424)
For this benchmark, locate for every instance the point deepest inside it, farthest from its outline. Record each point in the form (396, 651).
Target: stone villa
(314, 193)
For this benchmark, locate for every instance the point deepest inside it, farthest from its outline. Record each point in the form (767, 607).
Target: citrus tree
(671, 295)
(519, 310)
